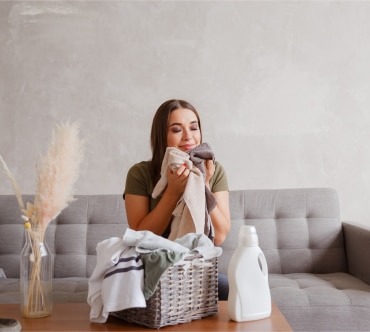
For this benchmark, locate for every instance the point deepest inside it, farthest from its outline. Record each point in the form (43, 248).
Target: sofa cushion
(12, 235)
(64, 290)
(9, 290)
(70, 290)
(334, 301)
(72, 237)
(299, 230)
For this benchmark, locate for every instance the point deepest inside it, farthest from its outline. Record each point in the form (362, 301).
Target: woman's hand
(139, 215)
(210, 170)
(177, 180)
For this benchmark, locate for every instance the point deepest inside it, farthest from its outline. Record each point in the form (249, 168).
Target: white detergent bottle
(249, 292)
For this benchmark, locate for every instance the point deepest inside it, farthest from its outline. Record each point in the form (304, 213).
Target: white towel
(189, 244)
(117, 281)
(200, 244)
(173, 158)
(189, 214)
(147, 241)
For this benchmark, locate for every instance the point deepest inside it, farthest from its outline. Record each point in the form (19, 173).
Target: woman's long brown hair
(158, 135)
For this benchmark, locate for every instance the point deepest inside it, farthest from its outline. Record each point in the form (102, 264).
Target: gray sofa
(319, 267)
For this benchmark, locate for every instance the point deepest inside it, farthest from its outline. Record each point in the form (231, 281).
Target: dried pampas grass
(15, 185)
(56, 177)
(58, 173)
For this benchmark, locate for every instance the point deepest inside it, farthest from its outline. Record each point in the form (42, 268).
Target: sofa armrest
(357, 246)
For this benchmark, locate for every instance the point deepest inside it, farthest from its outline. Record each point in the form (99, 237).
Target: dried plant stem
(15, 185)
(35, 302)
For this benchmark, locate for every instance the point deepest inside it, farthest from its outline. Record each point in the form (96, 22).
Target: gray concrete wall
(282, 88)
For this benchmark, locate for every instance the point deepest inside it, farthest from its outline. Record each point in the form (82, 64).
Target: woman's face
(183, 130)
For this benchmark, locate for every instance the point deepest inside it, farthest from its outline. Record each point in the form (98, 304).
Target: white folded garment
(200, 244)
(147, 241)
(117, 280)
(173, 158)
(192, 243)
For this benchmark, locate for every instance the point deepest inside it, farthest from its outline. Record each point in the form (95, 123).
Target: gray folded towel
(199, 154)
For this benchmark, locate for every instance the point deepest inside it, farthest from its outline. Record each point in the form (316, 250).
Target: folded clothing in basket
(159, 253)
(118, 283)
(189, 244)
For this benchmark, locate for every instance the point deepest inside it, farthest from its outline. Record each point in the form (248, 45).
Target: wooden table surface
(75, 317)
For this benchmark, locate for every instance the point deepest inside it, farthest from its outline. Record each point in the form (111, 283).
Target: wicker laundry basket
(182, 295)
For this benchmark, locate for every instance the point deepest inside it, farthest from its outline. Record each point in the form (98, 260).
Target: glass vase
(36, 275)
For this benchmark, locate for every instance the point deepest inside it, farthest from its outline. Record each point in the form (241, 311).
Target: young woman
(175, 124)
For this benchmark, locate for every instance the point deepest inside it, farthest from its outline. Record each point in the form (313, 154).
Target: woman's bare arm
(220, 216)
(138, 211)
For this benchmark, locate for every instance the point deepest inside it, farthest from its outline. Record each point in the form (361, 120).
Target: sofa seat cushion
(9, 290)
(335, 301)
(72, 289)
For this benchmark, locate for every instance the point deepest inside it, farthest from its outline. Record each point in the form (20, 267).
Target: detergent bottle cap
(248, 236)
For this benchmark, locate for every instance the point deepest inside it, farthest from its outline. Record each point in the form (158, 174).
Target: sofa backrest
(72, 236)
(299, 230)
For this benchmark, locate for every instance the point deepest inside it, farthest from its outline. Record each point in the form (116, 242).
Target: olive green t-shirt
(139, 182)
